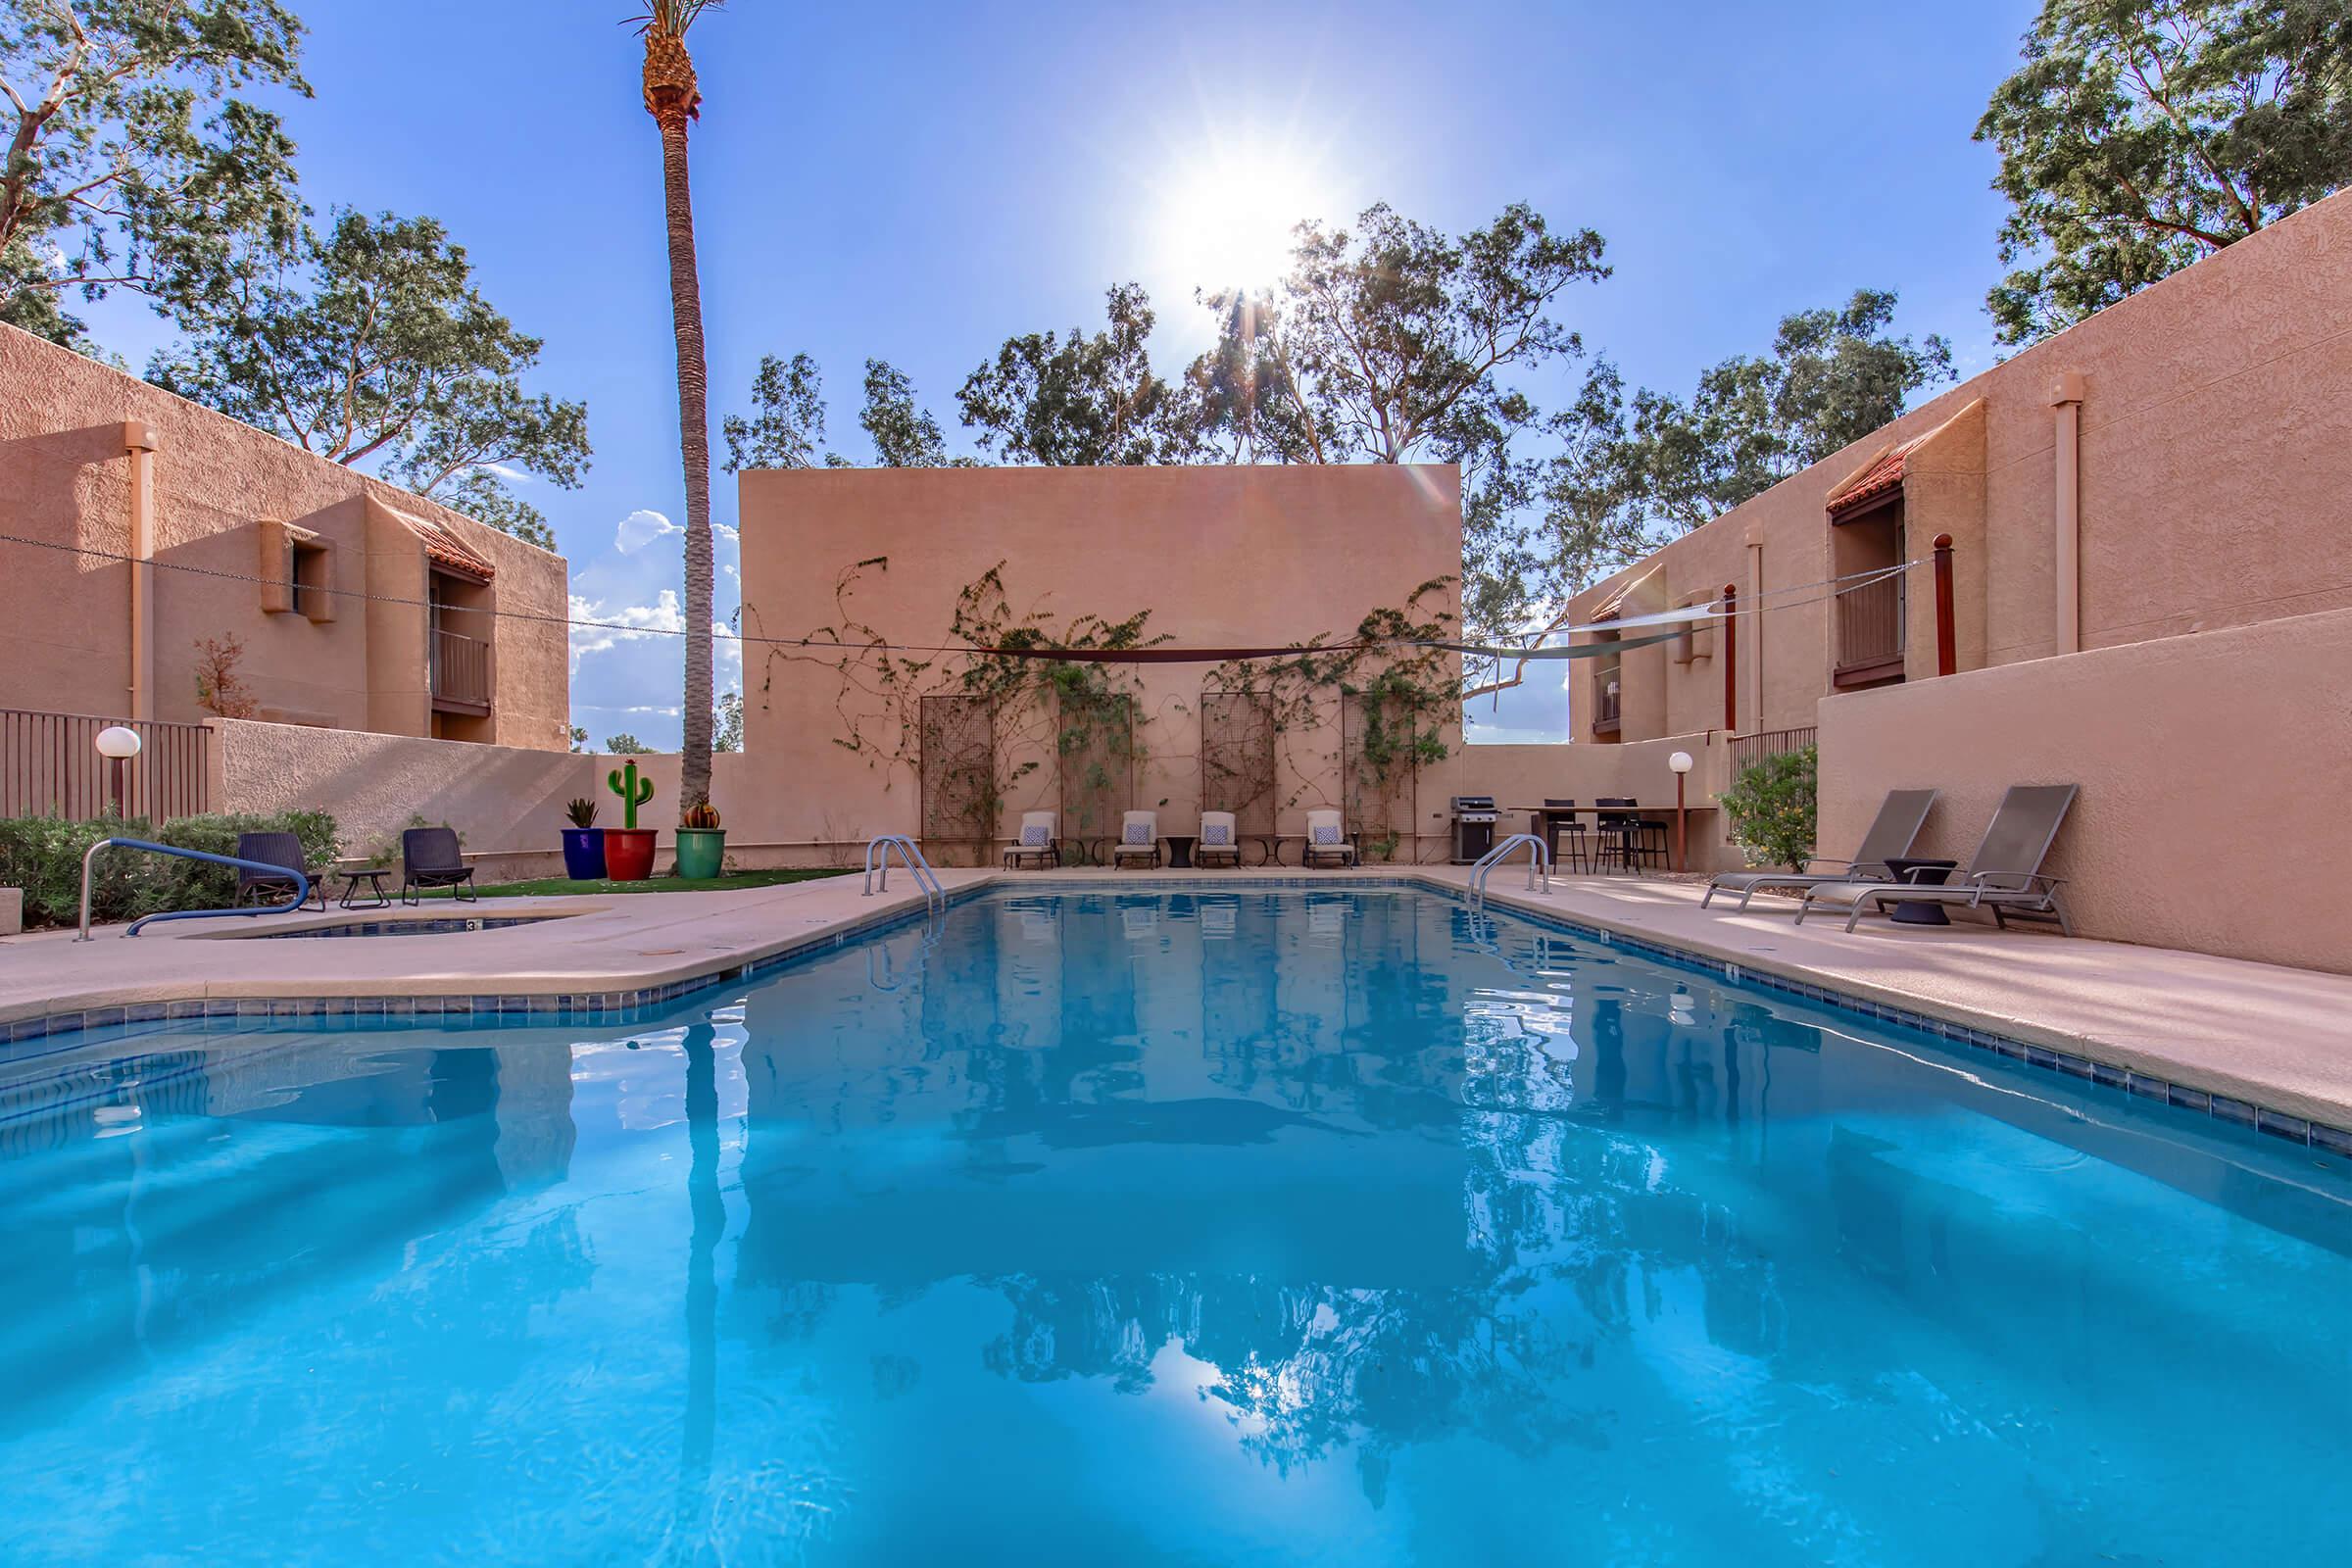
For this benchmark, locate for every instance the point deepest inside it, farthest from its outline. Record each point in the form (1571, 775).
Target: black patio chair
(274, 849)
(429, 859)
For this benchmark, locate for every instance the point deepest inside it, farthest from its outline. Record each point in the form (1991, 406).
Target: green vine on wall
(1089, 715)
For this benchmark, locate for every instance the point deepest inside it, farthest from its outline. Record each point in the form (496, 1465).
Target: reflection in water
(1196, 1226)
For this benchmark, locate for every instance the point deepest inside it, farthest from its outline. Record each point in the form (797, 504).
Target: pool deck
(2274, 1037)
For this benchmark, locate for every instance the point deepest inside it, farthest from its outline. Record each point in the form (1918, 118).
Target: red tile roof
(446, 549)
(1880, 476)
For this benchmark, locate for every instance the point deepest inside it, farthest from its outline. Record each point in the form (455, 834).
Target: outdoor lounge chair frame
(429, 858)
(1122, 851)
(1343, 852)
(2020, 833)
(1230, 851)
(275, 848)
(1891, 834)
(1046, 853)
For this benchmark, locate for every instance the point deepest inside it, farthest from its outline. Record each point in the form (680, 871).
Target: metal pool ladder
(1538, 864)
(910, 854)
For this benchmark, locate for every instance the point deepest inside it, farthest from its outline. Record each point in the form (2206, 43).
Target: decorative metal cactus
(632, 790)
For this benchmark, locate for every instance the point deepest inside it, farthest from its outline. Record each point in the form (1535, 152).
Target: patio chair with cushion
(1139, 839)
(274, 849)
(1892, 833)
(1326, 841)
(429, 859)
(1220, 840)
(1037, 845)
(2005, 875)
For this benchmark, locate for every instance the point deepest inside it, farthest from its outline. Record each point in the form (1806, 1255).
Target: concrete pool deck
(2274, 1037)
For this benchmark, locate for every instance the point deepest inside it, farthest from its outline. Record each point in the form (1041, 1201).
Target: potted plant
(583, 843)
(630, 851)
(701, 841)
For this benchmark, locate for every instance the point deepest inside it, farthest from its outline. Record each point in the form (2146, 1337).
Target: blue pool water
(1333, 1227)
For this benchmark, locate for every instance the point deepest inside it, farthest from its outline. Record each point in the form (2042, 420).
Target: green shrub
(1771, 805)
(42, 855)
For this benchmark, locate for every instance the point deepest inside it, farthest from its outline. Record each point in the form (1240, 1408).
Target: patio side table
(1180, 850)
(374, 876)
(1921, 873)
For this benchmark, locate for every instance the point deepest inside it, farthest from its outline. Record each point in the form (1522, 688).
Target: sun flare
(1227, 214)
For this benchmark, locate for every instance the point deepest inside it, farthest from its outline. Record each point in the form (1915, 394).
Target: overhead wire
(1139, 655)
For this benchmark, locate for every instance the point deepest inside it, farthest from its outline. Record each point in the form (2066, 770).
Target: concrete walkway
(2279, 1036)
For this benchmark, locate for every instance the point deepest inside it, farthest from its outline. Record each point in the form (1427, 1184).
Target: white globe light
(1680, 762)
(118, 743)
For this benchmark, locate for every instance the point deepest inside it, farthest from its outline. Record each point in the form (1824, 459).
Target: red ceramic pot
(628, 853)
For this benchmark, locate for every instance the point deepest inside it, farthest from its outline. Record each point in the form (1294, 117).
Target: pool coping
(646, 992)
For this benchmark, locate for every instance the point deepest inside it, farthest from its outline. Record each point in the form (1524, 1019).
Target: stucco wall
(64, 644)
(2216, 442)
(1219, 556)
(2214, 772)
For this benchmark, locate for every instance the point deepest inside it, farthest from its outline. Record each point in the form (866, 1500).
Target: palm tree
(672, 98)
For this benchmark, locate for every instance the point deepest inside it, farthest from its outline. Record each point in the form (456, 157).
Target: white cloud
(629, 623)
(641, 528)
(513, 475)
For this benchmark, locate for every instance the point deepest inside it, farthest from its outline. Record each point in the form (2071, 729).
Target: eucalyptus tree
(1083, 399)
(131, 161)
(370, 345)
(2139, 135)
(786, 428)
(1832, 377)
(673, 97)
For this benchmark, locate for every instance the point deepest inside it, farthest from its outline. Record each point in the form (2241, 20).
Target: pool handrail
(1539, 864)
(302, 883)
(877, 858)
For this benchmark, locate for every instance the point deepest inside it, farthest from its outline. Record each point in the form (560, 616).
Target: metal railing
(302, 884)
(910, 854)
(1608, 704)
(1539, 864)
(460, 668)
(1749, 750)
(50, 766)
(1870, 624)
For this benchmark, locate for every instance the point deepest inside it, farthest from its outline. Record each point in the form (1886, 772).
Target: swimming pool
(1330, 1226)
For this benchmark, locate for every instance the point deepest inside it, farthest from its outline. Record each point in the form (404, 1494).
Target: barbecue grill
(1474, 819)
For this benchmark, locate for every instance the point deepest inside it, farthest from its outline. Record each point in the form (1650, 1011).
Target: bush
(1771, 805)
(42, 855)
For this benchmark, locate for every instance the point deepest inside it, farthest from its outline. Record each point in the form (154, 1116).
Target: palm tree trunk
(694, 446)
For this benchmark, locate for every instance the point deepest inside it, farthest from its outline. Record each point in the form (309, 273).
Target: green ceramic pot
(702, 851)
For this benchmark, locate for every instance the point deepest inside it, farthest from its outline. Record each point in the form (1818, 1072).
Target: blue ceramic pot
(584, 853)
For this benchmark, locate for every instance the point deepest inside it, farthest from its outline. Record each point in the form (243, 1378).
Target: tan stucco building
(358, 606)
(2150, 586)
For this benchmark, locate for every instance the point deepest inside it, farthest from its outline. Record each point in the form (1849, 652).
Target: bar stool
(1579, 854)
(1618, 833)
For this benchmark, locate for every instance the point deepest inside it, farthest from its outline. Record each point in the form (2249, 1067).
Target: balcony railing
(1870, 629)
(460, 670)
(1607, 707)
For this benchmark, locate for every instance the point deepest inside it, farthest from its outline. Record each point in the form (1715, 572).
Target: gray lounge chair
(2006, 876)
(1891, 834)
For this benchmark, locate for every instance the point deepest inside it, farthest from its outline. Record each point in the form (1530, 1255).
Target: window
(297, 571)
(311, 565)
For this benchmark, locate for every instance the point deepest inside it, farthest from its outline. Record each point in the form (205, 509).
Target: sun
(1227, 213)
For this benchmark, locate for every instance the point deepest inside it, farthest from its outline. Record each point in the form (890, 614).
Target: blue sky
(920, 182)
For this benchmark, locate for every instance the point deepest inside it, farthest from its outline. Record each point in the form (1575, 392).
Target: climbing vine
(1392, 697)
